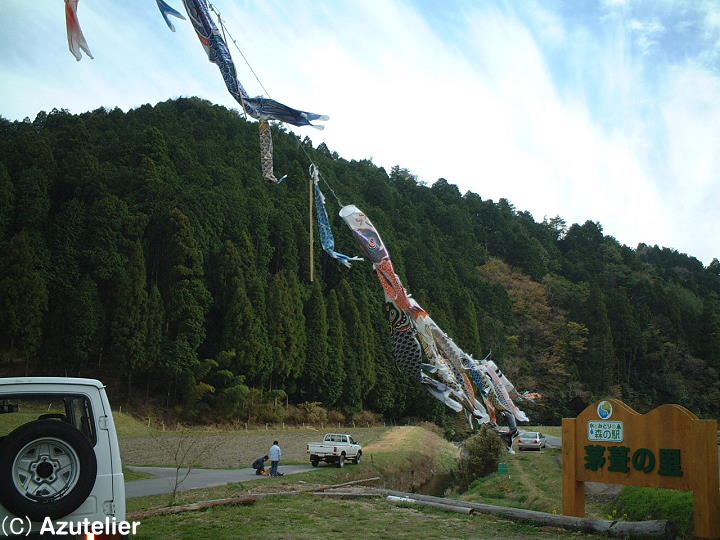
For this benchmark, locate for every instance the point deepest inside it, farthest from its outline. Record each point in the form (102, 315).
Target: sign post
(669, 447)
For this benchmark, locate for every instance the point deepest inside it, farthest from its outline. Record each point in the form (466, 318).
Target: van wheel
(341, 461)
(48, 469)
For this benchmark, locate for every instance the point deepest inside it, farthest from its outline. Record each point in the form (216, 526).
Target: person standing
(274, 454)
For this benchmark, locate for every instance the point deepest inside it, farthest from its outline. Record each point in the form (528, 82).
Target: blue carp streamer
(166, 10)
(260, 108)
(327, 240)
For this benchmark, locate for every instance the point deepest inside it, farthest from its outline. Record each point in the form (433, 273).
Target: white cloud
(691, 114)
(646, 33)
(615, 3)
(483, 107)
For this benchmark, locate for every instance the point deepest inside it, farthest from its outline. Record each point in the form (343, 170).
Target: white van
(59, 455)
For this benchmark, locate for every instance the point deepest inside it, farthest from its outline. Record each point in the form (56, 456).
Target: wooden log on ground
(344, 494)
(639, 529)
(271, 493)
(440, 506)
(363, 481)
(142, 514)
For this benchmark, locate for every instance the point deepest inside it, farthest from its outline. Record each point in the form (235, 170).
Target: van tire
(53, 445)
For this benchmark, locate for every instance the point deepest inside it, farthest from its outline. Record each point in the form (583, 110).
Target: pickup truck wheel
(48, 469)
(357, 458)
(314, 462)
(341, 461)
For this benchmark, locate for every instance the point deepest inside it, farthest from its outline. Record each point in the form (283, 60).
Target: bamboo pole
(310, 224)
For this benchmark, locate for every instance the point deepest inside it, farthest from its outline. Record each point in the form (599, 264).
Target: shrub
(641, 503)
(315, 413)
(336, 417)
(481, 454)
(368, 418)
(269, 415)
(310, 412)
(293, 415)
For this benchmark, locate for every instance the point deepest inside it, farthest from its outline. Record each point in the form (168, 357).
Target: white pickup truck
(59, 456)
(335, 448)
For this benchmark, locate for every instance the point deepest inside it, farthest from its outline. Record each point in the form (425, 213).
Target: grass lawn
(555, 431)
(131, 475)
(310, 517)
(640, 503)
(401, 454)
(534, 482)
(404, 458)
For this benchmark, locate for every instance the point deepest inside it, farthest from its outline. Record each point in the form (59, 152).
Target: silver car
(531, 439)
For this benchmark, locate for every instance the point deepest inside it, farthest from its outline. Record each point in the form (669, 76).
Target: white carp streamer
(427, 354)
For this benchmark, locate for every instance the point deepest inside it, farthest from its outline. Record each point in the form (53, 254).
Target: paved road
(198, 478)
(553, 442)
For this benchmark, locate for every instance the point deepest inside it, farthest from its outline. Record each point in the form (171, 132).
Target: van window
(20, 409)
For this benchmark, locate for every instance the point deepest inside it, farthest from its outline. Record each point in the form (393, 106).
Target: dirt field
(227, 449)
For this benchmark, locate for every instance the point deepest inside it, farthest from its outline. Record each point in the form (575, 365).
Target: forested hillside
(143, 248)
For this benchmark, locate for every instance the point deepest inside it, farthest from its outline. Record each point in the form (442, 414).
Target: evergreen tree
(186, 300)
(32, 199)
(7, 204)
(157, 206)
(129, 323)
(599, 367)
(355, 352)
(23, 297)
(288, 339)
(333, 380)
(75, 345)
(710, 334)
(154, 336)
(317, 362)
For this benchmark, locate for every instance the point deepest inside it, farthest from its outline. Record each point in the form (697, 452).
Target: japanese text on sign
(604, 430)
(619, 459)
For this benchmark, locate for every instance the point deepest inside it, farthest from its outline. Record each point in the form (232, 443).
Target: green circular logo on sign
(604, 410)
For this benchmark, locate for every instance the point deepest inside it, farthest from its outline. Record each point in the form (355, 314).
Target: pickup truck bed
(336, 448)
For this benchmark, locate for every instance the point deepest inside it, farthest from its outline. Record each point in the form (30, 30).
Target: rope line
(224, 31)
(320, 175)
(330, 188)
(222, 25)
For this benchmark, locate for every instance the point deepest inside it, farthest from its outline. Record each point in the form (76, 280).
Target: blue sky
(606, 110)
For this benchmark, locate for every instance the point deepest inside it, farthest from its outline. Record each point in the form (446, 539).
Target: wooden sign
(669, 447)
